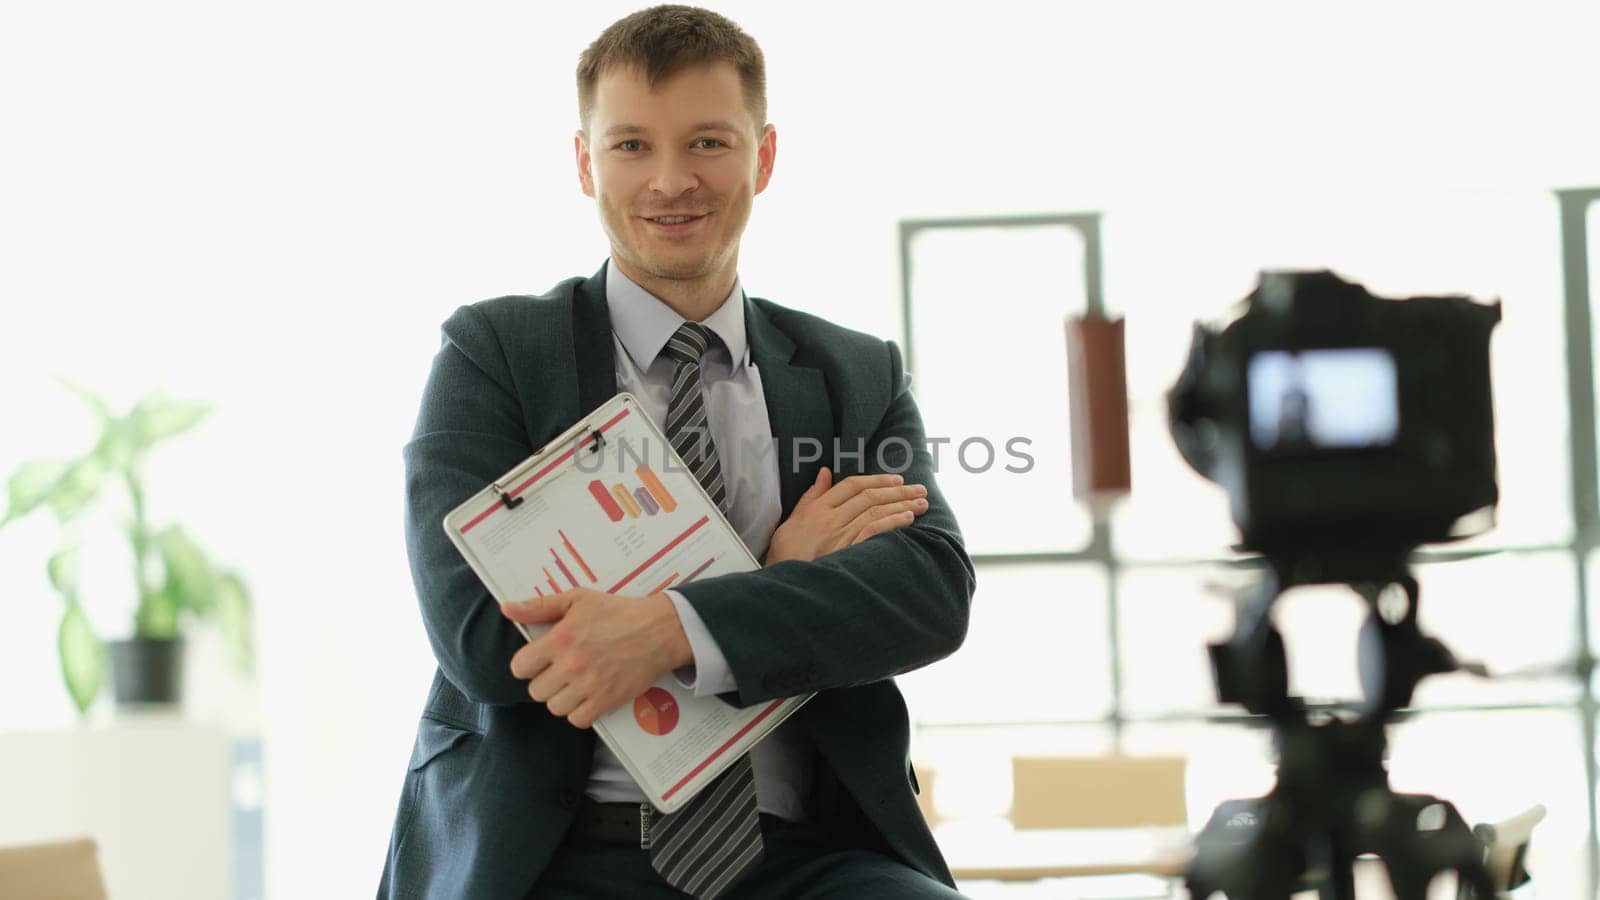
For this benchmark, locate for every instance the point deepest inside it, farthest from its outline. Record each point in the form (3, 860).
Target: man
(509, 794)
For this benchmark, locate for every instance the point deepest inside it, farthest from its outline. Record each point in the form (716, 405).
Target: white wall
(273, 207)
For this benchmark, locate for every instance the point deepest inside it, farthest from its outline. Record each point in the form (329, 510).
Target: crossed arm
(603, 650)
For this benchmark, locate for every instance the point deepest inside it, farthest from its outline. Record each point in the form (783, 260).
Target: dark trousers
(800, 863)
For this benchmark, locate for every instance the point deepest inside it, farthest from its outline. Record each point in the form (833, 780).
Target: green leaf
(78, 487)
(157, 615)
(31, 484)
(191, 582)
(83, 657)
(89, 398)
(115, 449)
(233, 618)
(156, 418)
(63, 569)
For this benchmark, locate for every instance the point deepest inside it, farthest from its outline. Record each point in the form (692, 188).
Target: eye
(631, 146)
(708, 143)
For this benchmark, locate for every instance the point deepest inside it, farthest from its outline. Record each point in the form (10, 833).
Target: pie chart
(656, 711)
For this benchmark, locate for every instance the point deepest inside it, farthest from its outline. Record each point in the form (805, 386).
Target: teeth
(672, 220)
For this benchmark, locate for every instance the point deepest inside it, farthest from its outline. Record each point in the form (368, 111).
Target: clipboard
(608, 505)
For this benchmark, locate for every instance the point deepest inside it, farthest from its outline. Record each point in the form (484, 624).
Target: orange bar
(670, 578)
(630, 505)
(576, 555)
(656, 488)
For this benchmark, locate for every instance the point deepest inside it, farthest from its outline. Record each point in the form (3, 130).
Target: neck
(692, 298)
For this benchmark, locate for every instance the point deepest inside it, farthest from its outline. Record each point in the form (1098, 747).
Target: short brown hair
(662, 41)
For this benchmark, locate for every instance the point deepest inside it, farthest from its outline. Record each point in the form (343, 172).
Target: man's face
(687, 148)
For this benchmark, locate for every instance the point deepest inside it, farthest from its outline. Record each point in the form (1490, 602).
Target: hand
(600, 652)
(830, 516)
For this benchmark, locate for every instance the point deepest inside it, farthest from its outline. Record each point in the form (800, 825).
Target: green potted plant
(175, 582)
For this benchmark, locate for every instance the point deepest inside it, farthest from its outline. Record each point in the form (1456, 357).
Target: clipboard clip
(509, 501)
(599, 441)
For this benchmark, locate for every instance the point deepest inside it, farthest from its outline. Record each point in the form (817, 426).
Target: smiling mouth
(674, 220)
(674, 225)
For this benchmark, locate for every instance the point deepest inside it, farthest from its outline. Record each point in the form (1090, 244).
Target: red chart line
(659, 553)
(576, 555)
(564, 570)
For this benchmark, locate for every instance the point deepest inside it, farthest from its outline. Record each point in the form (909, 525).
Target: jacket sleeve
(469, 431)
(887, 605)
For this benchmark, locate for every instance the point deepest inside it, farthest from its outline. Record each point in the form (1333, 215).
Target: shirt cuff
(708, 675)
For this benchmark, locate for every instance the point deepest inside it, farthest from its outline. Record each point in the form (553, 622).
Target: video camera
(1340, 422)
(1348, 430)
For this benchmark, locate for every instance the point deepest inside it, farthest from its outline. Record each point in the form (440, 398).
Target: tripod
(1332, 800)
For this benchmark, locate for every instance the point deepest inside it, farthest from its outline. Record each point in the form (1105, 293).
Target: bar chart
(567, 571)
(621, 501)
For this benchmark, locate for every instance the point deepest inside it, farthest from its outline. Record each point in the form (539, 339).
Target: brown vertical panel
(1097, 385)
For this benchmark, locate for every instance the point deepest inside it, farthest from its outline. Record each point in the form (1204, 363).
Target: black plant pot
(147, 671)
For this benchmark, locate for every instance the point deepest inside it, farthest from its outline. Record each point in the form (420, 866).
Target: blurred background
(270, 210)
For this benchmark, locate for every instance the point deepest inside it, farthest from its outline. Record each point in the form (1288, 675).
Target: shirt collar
(644, 324)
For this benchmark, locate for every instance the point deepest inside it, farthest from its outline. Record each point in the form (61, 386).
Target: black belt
(628, 824)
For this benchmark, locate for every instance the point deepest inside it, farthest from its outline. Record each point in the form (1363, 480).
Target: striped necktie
(704, 847)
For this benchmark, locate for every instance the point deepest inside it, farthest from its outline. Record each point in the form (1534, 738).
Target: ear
(766, 152)
(580, 147)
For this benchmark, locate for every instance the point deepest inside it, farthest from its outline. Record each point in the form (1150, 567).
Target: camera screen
(1323, 399)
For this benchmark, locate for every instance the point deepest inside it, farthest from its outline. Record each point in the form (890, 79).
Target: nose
(674, 174)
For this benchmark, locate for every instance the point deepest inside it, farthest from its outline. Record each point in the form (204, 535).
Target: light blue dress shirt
(736, 413)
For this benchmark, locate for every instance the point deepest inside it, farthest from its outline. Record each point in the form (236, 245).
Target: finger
(820, 484)
(819, 487)
(529, 661)
(877, 527)
(548, 684)
(846, 527)
(565, 700)
(881, 497)
(598, 704)
(855, 484)
(882, 524)
(898, 514)
(539, 610)
(587, 713)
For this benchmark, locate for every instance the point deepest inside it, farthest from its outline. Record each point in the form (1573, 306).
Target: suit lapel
(797, 405)
(593, 349)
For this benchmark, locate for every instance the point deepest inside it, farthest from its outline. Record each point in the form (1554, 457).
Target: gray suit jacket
(495, 780)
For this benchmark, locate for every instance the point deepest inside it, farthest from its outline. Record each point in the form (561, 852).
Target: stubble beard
(669, 266)
(641, 253)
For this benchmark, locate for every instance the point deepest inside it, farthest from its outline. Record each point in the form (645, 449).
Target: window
(992, 302)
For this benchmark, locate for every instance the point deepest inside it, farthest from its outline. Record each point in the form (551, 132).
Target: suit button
(568, 798)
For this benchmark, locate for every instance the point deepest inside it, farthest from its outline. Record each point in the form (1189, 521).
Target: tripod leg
(1340, 885)
(1341, 881)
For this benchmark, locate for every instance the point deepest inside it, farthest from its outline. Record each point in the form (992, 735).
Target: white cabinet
(156, 792)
